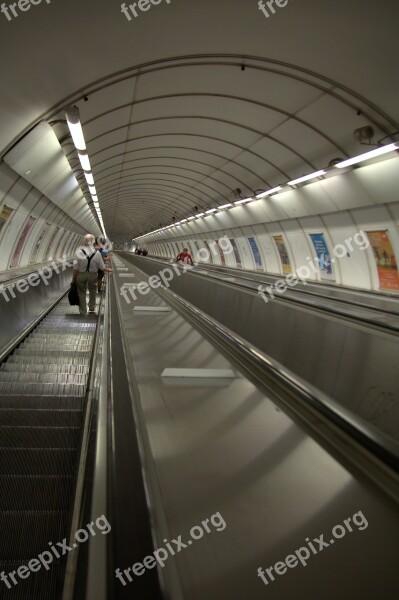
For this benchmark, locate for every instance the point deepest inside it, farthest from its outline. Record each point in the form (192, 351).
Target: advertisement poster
(221, 254)
(209, 250)
(236, 253)
(323, 255)
(385, 259)
(282, 250)
(21, 242)
(41, 237)
(47, 253)
(5, 213)
(63, 243)
(256, 253)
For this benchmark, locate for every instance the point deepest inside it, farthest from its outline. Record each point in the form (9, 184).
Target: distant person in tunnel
(185, 257)
(87, 263)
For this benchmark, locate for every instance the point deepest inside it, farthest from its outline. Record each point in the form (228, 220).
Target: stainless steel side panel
(356, 366)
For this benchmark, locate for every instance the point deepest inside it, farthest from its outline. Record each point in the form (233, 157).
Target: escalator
(42, 389)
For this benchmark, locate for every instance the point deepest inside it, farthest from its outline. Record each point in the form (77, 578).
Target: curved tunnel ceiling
(169, 136)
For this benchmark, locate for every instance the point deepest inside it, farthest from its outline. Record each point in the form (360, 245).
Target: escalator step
(51, 353)
(39, 437)
(13, 367)
(73, 337)
(14, 376)
(59, 345)
(16, 401)
(28, 533)
(37, 417)
(46, 389)
(35, 492)
(38, 461)
(44, 360)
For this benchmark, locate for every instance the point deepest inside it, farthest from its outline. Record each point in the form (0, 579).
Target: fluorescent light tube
(307, 177)
(269, 192)
(366, 156)
(84, 161)
(190, 218)
(92, 190)
(200, 215)
(243, 201)
(89, 178)
(75, 127)
(225, 206)
(211, 210)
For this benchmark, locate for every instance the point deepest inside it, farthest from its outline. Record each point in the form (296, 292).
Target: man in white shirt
(85, 272)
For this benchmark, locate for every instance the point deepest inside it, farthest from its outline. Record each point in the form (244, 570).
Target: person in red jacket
(185, 257)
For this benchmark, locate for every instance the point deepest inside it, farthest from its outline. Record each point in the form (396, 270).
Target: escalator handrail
(77, 513)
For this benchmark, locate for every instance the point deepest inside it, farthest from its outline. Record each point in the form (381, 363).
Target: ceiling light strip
(341, 165)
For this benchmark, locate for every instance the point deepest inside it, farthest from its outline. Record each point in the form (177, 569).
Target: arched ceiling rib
(168, 135)
(247, 129)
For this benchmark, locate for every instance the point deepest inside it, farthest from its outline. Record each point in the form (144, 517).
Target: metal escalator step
(51, 353)
(56, 345)
(38, 586)
(70, 336)
(39, 437)
(16, 401)
(44, 360)
(35, 492)
(12, 367)
(46, 389)
(39, 417)
(79, 324)
(38, 461)
(25, 534)
(15, 376)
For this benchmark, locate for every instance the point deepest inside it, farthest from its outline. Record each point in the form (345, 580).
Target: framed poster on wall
(21, 243)
(236, 253)
(256, 253)
(282, 250)
(385, 259)
(5, 214)
(46, 256)
(39, 241)
(323, 256)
